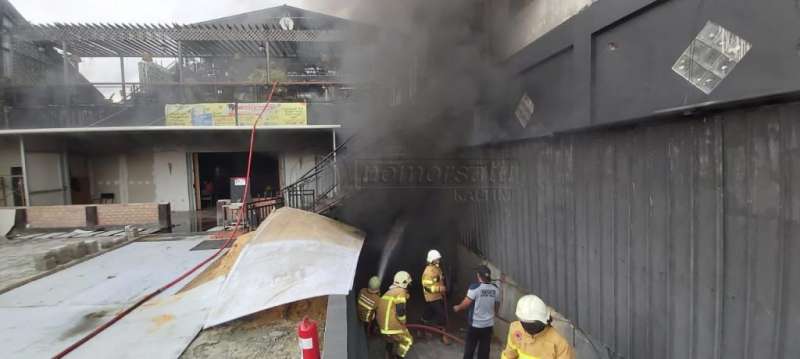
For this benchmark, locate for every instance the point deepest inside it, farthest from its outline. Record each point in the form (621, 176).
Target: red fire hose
(183, 276)
(435, 330)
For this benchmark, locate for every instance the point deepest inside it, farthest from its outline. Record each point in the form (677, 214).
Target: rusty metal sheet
(294, 255)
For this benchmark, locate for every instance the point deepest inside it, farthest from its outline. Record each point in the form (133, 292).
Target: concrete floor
(16, 258)
(46, 315)
(194, 221)
(430, 348)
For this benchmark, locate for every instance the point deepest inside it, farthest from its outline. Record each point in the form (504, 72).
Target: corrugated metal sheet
(677, 240)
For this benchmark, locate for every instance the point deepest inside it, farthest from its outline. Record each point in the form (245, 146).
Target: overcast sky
(166, 11)
(150, 11)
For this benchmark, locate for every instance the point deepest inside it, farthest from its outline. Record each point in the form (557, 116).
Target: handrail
(316, 169)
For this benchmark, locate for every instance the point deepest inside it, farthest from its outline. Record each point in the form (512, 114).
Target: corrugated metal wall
(677, 240)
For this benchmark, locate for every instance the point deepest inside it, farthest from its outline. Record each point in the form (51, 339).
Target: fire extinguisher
(309, 339)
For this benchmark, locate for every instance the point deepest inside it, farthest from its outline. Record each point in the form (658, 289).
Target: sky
(165, 11)
(145, 11)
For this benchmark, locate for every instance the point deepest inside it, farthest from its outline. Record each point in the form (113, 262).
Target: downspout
(24, 162)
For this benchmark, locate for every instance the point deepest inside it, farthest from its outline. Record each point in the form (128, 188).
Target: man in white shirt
(482, 299)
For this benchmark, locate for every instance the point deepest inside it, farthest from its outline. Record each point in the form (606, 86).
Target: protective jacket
(367, 303)
(392, 311)
(547, 344)
(432, 283)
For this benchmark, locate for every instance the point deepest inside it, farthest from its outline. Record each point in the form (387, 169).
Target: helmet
(530, 309)
(433, 255)
(374, 283)
(402, 279)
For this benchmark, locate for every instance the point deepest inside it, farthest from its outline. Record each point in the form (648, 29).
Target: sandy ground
(267, 334)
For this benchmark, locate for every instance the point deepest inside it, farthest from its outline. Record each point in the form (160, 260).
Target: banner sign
(225, 114)
(275, 114)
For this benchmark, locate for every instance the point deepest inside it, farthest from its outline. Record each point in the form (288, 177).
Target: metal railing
(316, 191)
(258, 210)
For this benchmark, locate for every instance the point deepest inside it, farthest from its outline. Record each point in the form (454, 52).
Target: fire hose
(435, 330)
(183, 276)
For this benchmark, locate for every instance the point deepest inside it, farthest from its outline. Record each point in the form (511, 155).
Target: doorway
(217, 172)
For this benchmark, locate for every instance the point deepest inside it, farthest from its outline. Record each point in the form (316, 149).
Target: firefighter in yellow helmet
(368, 301)
(433, 289)
(533, 336)
(392, 314)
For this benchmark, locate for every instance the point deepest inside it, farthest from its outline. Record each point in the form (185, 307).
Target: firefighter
(533, 336)
(391, 315)
(368, 302)
(433, 289)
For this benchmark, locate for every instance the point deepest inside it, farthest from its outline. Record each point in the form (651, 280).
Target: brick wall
(122, 214)
(76, 216)
(56, 216)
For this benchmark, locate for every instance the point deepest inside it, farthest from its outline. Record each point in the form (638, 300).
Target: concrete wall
(106, 176)
(142, 176)
(517, 23)
(295, 165)
(141, 185)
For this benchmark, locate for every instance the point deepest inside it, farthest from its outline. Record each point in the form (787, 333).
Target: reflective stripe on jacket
(432, 283)
(389, 320)
(367, 303)
(545, 345)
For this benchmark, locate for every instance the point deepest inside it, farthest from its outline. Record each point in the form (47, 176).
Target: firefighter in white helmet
(433, 289)
(392, 315)
(368, 302)
(533, 336)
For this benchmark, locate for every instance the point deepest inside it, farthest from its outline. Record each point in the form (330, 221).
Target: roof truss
(160, 40)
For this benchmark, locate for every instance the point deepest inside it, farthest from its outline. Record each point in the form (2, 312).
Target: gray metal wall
(676, 240)
(612, 63)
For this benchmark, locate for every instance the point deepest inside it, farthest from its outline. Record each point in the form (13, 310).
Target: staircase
(319, 190)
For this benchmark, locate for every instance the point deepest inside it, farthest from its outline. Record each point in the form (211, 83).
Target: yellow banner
(224, 114)
(203, 114)
(275, 114)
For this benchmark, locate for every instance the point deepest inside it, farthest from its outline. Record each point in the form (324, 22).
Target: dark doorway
(215, 171)
(18, 186)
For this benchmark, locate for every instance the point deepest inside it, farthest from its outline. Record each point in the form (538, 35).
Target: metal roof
(119, 129)
(170, 40)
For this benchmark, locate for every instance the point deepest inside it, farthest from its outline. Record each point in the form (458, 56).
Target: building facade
(181, 131)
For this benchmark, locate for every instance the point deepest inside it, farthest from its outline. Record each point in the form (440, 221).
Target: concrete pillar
(91, 216)
(21, 218)
(123, 178)
(124, 92)
(164, 217)
(24, 163)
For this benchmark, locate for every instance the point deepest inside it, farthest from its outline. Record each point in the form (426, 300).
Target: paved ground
(17, 255)
(46, 315)
(429, 348)
(16, 258)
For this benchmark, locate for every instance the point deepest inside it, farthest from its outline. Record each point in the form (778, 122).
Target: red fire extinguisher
(309, 339)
